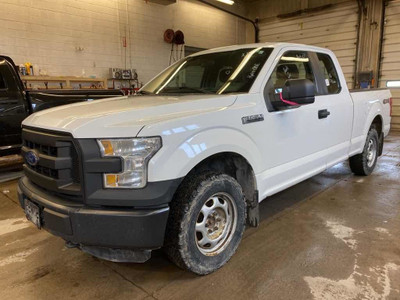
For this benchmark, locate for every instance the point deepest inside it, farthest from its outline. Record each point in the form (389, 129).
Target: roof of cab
(255, 45)
(8, 59)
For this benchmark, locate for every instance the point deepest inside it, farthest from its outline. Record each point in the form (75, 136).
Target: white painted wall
(47, 32)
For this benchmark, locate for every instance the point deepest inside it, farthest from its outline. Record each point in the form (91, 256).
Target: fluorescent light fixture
(230, 2)
(393, 83)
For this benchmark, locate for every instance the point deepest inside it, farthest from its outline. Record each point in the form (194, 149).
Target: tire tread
(358, 163)
(180, 207)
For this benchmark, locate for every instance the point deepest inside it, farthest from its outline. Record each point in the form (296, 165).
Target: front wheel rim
(371, 153)
(216, 224)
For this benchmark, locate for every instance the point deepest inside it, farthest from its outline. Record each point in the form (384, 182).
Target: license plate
(32, 213)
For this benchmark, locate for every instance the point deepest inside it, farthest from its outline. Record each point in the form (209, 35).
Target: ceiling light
(230, 2)
(393, 83)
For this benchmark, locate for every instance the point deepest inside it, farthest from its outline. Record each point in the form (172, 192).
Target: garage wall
(334, 28)
(263, 9)
(390, 67)
(49, 33)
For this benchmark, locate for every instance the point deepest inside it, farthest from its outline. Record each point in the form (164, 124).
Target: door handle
(323, 113)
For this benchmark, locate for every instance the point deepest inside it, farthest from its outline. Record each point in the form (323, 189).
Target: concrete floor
(334, 236)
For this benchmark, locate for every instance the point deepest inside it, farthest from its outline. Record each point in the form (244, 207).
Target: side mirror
(299, 91)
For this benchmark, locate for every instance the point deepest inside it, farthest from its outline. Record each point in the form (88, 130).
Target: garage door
(334, 28)
(390, 67)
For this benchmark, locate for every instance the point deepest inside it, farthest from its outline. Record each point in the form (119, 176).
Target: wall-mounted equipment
(129, 74)
(126, 74)
(179, 38)
(177, 41)
(115, 73)
(118, 73)
(169, 36)
(366, 79)
(134, 75)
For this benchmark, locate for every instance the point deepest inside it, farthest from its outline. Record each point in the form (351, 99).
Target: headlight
(135, 154)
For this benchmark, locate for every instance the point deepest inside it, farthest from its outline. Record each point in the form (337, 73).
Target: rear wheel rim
(371, 153)
(216, 224)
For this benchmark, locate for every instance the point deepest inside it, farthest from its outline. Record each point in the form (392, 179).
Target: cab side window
(2, 82)
(330, 74)
(292, 65)
(8, 87)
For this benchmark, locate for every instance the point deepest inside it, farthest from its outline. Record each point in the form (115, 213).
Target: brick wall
(47, 33)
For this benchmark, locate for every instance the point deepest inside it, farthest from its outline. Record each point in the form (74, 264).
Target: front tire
(364, 163)
(206, 223)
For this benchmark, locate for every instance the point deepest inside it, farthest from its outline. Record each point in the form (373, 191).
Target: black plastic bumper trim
(52, 184)
(125, 228)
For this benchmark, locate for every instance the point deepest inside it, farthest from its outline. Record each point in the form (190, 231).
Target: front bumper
(116, 228)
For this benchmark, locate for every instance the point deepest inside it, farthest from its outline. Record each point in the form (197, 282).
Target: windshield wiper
(187, 89)
(144, 93)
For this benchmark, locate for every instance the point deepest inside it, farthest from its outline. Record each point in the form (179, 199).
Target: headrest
(225, 73)
(287, 71)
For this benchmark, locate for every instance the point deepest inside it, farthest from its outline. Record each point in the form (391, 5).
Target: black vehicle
(16, 103)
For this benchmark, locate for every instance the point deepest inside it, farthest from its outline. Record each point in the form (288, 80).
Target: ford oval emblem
(32, 157)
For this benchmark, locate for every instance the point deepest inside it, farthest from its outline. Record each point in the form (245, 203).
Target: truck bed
(365, 102)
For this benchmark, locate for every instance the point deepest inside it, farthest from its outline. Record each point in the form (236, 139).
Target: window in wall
(330, 73)
(292, 65)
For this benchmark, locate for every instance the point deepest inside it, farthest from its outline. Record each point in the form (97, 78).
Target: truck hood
(123, 116)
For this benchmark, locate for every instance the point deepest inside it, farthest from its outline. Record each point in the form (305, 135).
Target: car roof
(256, 45)
(7, 58)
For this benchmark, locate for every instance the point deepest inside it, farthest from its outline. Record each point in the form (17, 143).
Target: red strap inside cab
(287, 101)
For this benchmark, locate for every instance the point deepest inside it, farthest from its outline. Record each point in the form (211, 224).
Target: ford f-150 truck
(16, 103)
(184, 164)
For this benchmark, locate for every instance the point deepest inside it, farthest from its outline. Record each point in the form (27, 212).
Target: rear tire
(206, 222)
(364, 163)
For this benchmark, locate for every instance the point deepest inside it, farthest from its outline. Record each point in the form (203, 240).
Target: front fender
(176, 160)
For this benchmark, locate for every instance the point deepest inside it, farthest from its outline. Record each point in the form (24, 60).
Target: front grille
(56, 164)
(45, 171)
(48, 150)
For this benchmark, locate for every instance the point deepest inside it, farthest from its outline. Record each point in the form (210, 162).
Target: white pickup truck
(184, 164)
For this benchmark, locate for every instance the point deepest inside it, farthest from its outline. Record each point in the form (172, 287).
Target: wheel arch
(234, 165)
(377, 123)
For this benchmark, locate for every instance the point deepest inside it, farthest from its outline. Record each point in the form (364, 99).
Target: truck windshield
(213, 73)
